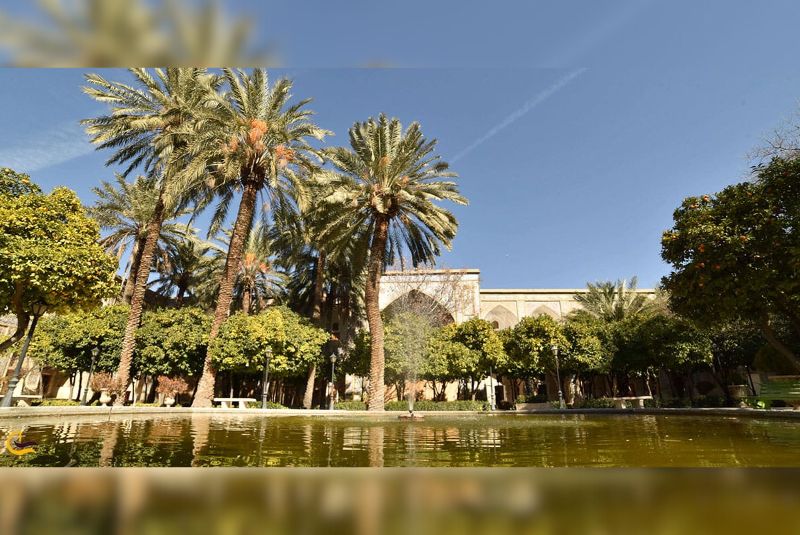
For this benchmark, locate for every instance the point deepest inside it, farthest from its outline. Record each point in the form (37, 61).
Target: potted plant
(738, 389)
(103, 382)
(170, 387)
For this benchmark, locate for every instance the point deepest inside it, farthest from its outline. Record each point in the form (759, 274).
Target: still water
(460, 441)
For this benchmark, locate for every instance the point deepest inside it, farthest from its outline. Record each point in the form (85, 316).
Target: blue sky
(576, 127)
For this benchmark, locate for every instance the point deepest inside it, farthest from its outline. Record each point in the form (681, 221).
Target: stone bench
(637, 401)
(227, 403)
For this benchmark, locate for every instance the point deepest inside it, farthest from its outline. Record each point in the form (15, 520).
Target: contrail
(528, 106)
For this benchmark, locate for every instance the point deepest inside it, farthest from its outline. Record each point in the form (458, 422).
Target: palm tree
(184, 266)
(124, 210)
(386, 185)
(296, 237)
(258, 281)
(144, 129)
(614, 301)
(249, 140)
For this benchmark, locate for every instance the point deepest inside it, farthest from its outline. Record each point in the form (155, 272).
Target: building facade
(456, 295)
(459, 292)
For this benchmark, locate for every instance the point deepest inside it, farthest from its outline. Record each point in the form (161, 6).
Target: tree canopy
(735, 255)
(49, 254)
(245, 340)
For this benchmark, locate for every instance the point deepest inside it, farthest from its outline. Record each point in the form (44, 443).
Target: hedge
(424, 405)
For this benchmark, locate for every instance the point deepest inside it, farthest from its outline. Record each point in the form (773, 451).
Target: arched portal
(416, 302)
(543, 309)
(501, 317)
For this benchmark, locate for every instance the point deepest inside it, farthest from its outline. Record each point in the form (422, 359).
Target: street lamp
(37, 310)
(333, 358)
(95, 352)
(561, 405)
(492, 403)
(266, 378)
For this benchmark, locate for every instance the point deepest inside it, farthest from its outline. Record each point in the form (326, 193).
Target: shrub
(595, 403)
(270, 405)
(422, 405)
(427, 405)
(101, 381)
(755, 403)
(505, 405)
(57, 403)
(709, 401)
(351, 405)
(677, 404)
(541, 397)
(171, 386)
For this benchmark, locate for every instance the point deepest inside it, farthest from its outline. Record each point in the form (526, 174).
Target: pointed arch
(420, 303)
(544, 309)
(502, 317)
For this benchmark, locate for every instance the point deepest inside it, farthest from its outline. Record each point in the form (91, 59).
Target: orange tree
(735, 255)
(49, 253)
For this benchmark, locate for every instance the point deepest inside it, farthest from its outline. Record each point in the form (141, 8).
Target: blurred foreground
(102, 33)
(418, 501)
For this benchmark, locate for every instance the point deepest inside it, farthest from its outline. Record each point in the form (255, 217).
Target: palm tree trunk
(244, 220)
(377, 251)
(133, 271)
(137, 300)
(181, 293)
(316, 318)
(246, 300)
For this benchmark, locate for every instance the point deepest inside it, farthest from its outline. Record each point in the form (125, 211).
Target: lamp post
(37, 310)
(491, 400)
(561, 404)
(95, 352)
(333, 358)
(266, 378)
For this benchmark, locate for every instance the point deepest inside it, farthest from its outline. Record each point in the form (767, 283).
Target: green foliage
(393, 175)
(169, 341)
(406, 343)
(302, 345)
(448, 358)
(56, 403)
(482, 340)
(735, 255)
(49, 254)
(244, 340)
(270, 405)
(422, 405)
(587, 348)
(356, 359)
(529, 345)
(596, 403)
(428, 405)
(613, 301)
(660, 341)
(15, 184)
(736, 343)
(65, 342)
(350, 405)
(172, 342)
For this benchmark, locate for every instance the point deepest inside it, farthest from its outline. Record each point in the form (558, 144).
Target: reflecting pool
(586, 440)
